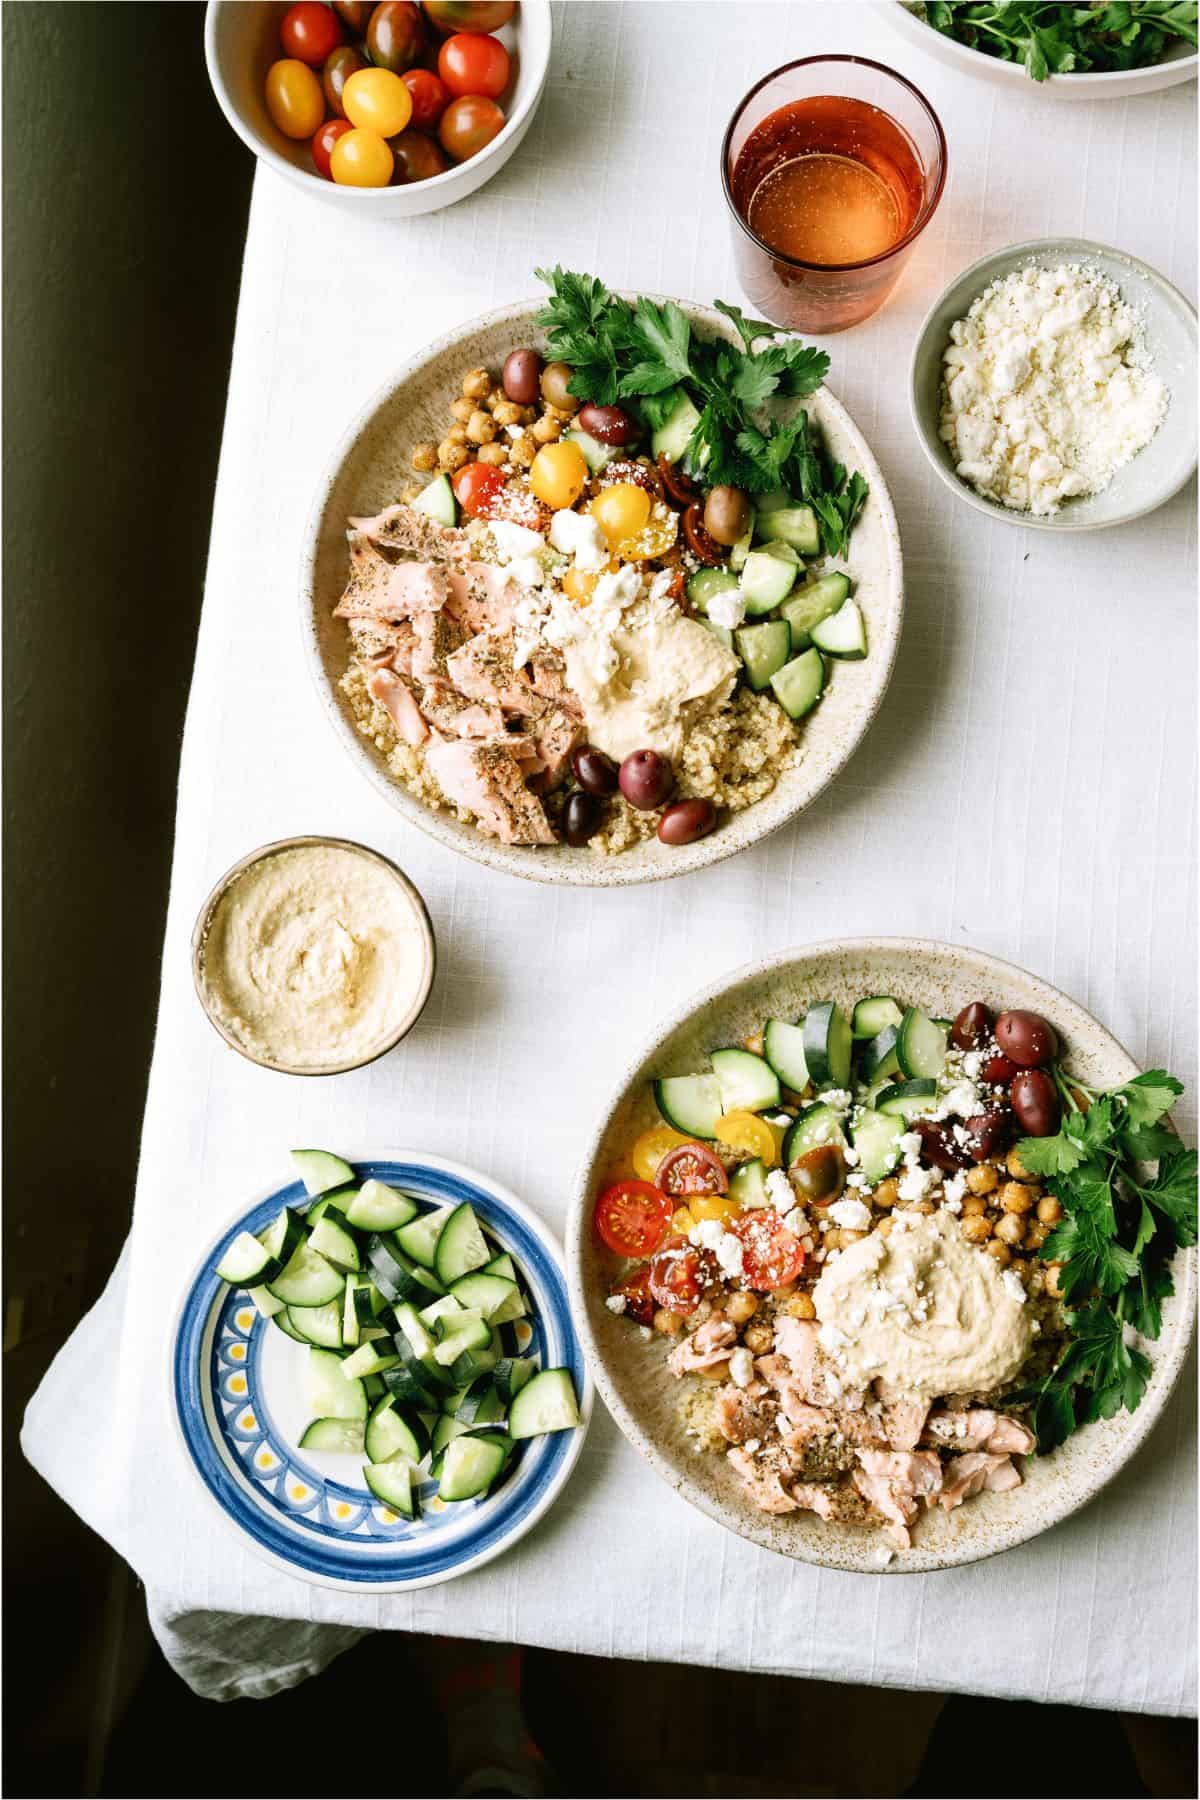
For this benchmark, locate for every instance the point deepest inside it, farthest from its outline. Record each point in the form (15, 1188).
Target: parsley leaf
(747, 329)
(1148, 1097)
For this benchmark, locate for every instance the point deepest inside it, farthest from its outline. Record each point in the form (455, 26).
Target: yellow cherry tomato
(746, 1131)
(558, 474)
(361, 159)
(682, 1221)
(580, 587)
(654, 538)
(621, 511)
(651, 1147)
(713, 1206)
(378, 101)
(294, 98)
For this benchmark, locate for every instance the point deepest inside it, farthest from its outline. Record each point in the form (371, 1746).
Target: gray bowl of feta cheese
(1053, 386)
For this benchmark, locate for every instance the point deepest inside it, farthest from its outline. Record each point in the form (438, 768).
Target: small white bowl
(1179, 64)
(241, 41)
(1169, 323)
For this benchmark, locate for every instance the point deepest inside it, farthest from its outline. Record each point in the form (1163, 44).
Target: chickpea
(496, 454)
(669, 1323)
(1010, 1229)
(424, 456)
(785, 1292)
(457, 434)
(741, 1306)
(921, 1206)
(754, 1043)
(832, 1239)
(974, 1206)
(507, 412)
(476, 384)
(1015, 1197)
(522, 450)
(758, 1339)
(1051, 1278)
(1016, 1168)
(462, 409)
(800, 1306)
(481, 428)
(716, 1372)
(1036, 1235)
(887, 1193)
(563, 414)
(546, 430)
(451, 457)
(884, 1227)
(976, 1230)
(851, 1236)
(1000, 1252)
(983, 1179)
(1049, 1210)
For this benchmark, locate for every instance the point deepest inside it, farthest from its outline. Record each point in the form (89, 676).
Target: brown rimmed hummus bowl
(631, 1374)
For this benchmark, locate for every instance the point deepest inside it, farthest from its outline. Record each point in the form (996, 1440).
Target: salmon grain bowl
(883, 1263)
(598, 609)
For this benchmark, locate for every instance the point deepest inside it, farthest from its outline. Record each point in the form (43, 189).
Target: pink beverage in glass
(833, 167)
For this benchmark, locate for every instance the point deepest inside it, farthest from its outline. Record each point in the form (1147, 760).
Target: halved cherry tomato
(635, 1291)
(430, 97)
(322, 145)
(310, 32)
(713, 1206)
(771, 1254)
(679, 1276)
(632, 1218)
(743, 1130)
(472, 63)
(649, 1150)
(475, 487)
(691, 1169)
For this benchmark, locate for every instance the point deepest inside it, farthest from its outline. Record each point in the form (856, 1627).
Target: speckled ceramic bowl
(643, 1397)
(371, 468)
(1169, 322)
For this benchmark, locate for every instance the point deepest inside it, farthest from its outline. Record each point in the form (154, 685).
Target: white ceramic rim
(1105, 84)
(1141, 1422)
(553, 1249)
(979, 273)
(608, 871)
(506, 140)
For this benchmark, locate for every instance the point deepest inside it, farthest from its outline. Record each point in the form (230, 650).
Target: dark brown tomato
(691, 1169)
(470, 15)
(608, 424)
(687, 821)
(820, 1174)
(354, 13)
(396, 35)
(971, 1026)
(680, 487)
(522, 376)
(1026, 1039)
(998, 1071)
(939, 1148)
(582, 818)
(1035, 1101)
(416, 157)
(726, 515)
(624, 469)
(989, 1131)
(555, 392)
(701, 545)
(646, 779)
(595, 772)
(635, 1291)
(344, 62)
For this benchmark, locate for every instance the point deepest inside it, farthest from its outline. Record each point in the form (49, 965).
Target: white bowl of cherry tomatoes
(392, 108)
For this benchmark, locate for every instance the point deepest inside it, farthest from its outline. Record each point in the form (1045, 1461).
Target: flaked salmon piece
(404, 527)
(483, 777)
(979, 1428)
(380, 589)
(437, 638)
(555, 734)
(1010, 1438)
(903, 1420)
(895, 1481)
(482, 668)
(548, 674)
(764, 1486)
(778, 1375)
(966, 1476)
(455, 716)
(818, 1497)
(482, 596)
(819, 1382)
(710, 1343)
(397, 699)
(741, 1414)
(380, 641)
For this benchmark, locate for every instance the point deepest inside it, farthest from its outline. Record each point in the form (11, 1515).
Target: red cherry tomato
(472, 63)
(430, 98)
(469, 125)
(771, 1254)
(635, 1291)
(476, 486)
(322, 145)
(631, 1217)
(310, 32)
(691, 1169)
(469, 15)
(678, 1277)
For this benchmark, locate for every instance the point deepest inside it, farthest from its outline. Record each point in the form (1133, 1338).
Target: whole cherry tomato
(355, 13)
(771, 1254)
(473, 63)
(469, 15)
(631, 1217)
(396, 35)
(417, 157)
(322, 145)
(346, 61)
(476, 486)
(378, 101)
(469, 125)
(691, 1169)
(361, 159)
(294, 98)
(310, 32)
(430, 98)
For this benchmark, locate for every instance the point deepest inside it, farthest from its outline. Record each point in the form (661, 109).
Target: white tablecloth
(1027, 788)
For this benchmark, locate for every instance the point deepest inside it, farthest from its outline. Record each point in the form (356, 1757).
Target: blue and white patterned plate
(238, 1393)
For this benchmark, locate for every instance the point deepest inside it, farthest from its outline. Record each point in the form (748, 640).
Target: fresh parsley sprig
(648, 354)
(1067, 40)
(1115, 1241)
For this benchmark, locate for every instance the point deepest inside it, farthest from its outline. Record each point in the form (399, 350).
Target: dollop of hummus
(922, 1308)
(314, 956)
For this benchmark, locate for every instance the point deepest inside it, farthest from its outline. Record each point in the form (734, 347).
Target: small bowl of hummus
(313, 956)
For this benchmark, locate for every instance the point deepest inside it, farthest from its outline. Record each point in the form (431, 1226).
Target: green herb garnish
(648, 354)
(1067, 40)
(1117, 1235)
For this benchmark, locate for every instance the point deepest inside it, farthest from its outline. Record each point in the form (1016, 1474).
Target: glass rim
(919, 223)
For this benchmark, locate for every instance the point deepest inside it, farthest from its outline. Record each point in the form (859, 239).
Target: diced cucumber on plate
(321, 1170)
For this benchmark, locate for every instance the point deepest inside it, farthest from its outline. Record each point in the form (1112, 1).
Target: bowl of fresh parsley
(1108, 51)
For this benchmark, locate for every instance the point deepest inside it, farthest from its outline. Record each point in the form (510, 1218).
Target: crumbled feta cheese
(751, 1445)
(959, 1102)
(850, 1156)
(916, 1183)
(579, 535)
(619, 588)
(646, 1332)
(707, 1234)
(972, 1064)
(728, 608)
(616, 1303)
(909, 1146)
(881, 1558)
(857, 1181)
(729, 1255)
(953, 1191)
(780, 1190)
(831, 1339)
(741, 1367)
(527, 570)
(1014, 1287)
(836, 1098)
(797, 1222)
(514, 541)
(852, 1215)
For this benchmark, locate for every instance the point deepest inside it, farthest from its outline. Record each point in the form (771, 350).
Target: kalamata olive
(581, 819)
(646, 779)
(939, 1148)
(1026, 1039)
(971, 1026)
(1035, 1101)
(594, 771)
(726, 515)
(820, 1174)
(681, 488)
(998, 1071)
(701, 545)
(608, 424)
(522, 376)
(686, 821)
(555, 377)
(989, 1132)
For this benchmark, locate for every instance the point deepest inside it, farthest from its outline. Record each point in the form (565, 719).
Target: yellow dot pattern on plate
(389, 1518)
(237, 1384)
(245, 1320)
(299, 1493)
(265, 1460)
(247, 1421)
(436, 1505)
(524, 1336)
(238, 1352)
(342, 1510)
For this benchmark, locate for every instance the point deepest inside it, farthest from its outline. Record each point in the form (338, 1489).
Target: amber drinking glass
(832, 167)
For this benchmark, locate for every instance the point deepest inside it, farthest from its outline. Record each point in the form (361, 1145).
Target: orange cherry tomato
(295, 99)
(771, 1254)
(476, 486)
(417, 157)
(378, 101)
(469, 125)
(430, 97)
(310, 32)
(322, 145)
(473, 63)
(361, 159)
(632, 1218)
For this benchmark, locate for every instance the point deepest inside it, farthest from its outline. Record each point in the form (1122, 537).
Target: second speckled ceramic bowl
(371, 468)
(643, 1396)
